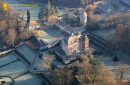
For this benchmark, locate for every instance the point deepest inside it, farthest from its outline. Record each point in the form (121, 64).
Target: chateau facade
(78, 43)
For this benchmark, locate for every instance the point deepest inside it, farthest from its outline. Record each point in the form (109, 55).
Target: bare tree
(64, 76)
(106, 77)
(10, 37)
(122, 70)
(25, 34)
(3, 26)
(47, 61)
(10, 27)
(93, 73)
(89, 69)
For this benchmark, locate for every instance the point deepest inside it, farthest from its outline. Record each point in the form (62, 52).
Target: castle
(83, 16)
(78, 43)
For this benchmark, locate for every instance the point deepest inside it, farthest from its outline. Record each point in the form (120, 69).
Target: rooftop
(65, 58)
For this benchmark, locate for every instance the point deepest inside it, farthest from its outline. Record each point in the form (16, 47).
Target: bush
(115, 59)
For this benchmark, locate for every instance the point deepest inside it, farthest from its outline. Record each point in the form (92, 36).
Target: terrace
(14, 65)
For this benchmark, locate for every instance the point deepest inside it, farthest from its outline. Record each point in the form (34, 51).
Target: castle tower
(70, 44)
(86, 43)
(78, 43)
(74, 43)
(83, 17)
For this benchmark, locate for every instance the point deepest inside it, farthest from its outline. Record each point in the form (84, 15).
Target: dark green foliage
(115, 59)
(49, 10)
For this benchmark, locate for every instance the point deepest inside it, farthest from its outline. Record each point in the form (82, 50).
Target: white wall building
(78, 43)
(83, 17)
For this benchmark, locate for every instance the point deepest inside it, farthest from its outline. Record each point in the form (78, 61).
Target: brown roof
(33, 23)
